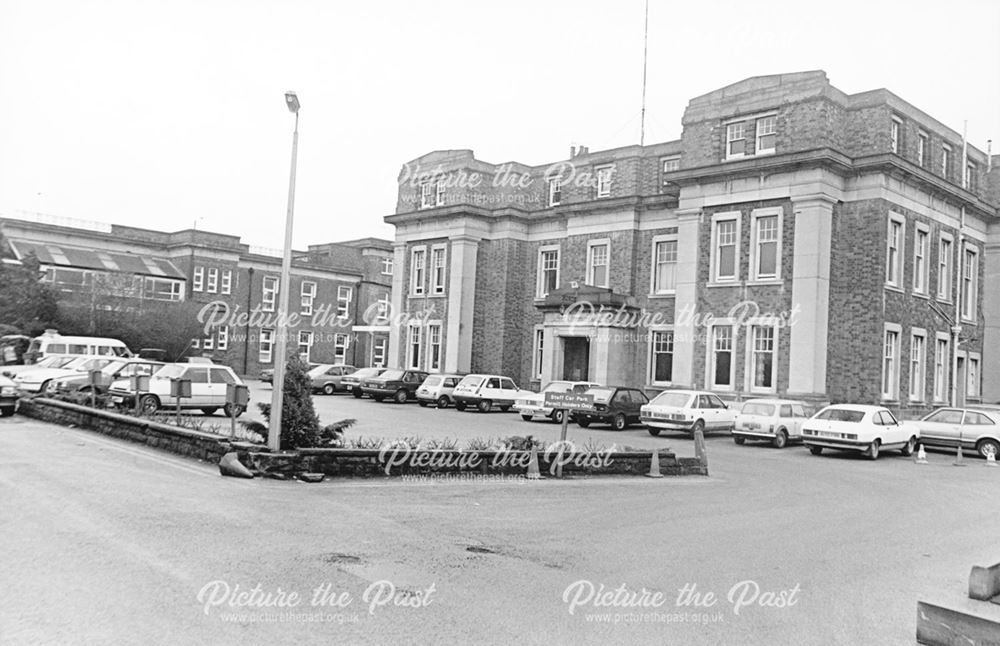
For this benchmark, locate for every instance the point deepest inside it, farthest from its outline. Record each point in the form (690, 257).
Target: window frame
(226, 282)
(893, 362)
(654, 289)
(742, 123)
(715, 255)
(418, 280)
(758, 150)
(379, 351)
(537, 351)
(603, 178)
(653, 352)
(750, 363)
(969, 303)
(942, 380)
(946, 155)
(344, 302)
(712, 363)
(414, 340)
(269, 304)
(266, 336)
(898, 265)
(434, 350)
(212, 283)
(426, 193)
(222, 337)
(438, 250)
(973, 379)
(917, 386)
(308, 335)
(198, 279)
(591, 246)
(923, 144)
(896, 135)
(387, 264)
(946, 277)
(755, 256)
(307, 297)
(921, 265)
(554, 186)
(540, 291)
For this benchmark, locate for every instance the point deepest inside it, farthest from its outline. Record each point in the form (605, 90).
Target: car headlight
(8, 391)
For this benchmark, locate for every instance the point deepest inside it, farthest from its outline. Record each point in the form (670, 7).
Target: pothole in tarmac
(337, 557)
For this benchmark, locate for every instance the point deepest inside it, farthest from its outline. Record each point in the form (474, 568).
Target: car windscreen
(318, 370)
(113, 367)
(757, 408)
(557, 387)
(676, 400)
(169, 372)
(391, 375)
(841, 415)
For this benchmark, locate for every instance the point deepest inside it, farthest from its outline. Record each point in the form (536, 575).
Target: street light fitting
(292, 101)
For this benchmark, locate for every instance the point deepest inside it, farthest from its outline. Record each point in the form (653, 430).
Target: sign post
(237, 398)
(567, 402)
(140, 384)
(97, 379)
(179, 388)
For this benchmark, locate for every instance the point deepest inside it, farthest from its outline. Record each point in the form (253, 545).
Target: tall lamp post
(284, 287)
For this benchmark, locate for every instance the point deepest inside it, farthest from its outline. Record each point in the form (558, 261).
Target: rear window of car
(471, 382)
(676, 400)
(390, 375)
(432, 381)
(841, 415)
(757, 408)
(601, 394)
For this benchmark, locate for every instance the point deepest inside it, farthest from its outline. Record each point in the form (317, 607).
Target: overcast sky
(164, 114)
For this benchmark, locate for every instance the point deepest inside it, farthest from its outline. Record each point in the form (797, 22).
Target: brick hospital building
(796, 240)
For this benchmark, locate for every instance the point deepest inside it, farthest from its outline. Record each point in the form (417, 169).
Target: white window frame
(305, 340)
(537, 351)
(222, 337)
(555, 191)
(755, 216)
(896, 134)
(439, 251)
(270, 286)
(942, 368)
(923, 143)
(439, 189)
(893, 362)
(921, 271)
(973, 378)
(198, 279)
(946, 264)
(970, 176)
(674, 162)
(307, 295)
(751, 353)
(540, 291)
(345, 294)
(918, 365)
(226, 286)
(758, 135)
(208, 343)
(380, 347)
(341, 342)
(945, 160)
(731, 129)
(265, 352)
(434, 349)
(426, 195)
(710, 384)
(591, 246)
(715, 255)
(896, 266)
(604, 176)
(382, 310)
(418, 280)
(654, 288)
(414, 346)
(651, 361)
(212, 284)
(387, 266)
(970, 303)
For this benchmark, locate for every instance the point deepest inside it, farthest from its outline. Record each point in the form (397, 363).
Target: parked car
(687, 410)
(618, 406)
(484, 392)
(114, 370)
(37, 381)
(437, 390)
(853, 427)
(352, 382)
(8, 397)
(533, 404)
(267, 374)
(776, 420)
(328, 378)
(208, 389)
(974, 428)
(398, 384)
(12, 372)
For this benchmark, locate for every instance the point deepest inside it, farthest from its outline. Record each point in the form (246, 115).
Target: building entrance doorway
(576, 358)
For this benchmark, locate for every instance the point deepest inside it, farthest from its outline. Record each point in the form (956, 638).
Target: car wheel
(698, 426)
(909, 447)
(526, 418)
(619, 422)
(45, 386)
(873, 449)
(357, 393)
(329, 389)
(149, 404)
(400, 397)
(485, 405)
(988, 447)
(655, 432)
(815, 450)
(422, 403)
(739, 439)
(232, 410)
(442, 401)
(6, 412)
(780, 439)
(459, 406)
(558, 415)
(583, 423)
(209, 410)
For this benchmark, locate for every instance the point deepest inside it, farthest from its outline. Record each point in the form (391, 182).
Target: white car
(775, 420)
(686, 410)
(8, 397)
(974, 428)
(208, 389)
(486, 391)
(531, 404)
(47, 362)
(36, 381)
(854, 427)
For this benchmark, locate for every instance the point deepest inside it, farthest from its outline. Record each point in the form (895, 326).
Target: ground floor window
(722, 356)
(662, 359)
(890, 364)
(378, 352)
(413, 348)
(972, 388)
(340, 343)
(762, 357)
(942, 360)
(537, 352)
(917, 354)
(305, 345)
(434, 347)
(266, 345)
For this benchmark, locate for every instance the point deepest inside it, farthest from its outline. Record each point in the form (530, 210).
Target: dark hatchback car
(352, 383)
(614, 405)
(398, 384)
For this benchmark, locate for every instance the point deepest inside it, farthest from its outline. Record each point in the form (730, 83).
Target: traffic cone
(654, 465)
(533, 472)
(921, 455)
(959, 462)
(991, 460)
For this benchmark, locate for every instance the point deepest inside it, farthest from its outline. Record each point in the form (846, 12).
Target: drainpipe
(246, 337)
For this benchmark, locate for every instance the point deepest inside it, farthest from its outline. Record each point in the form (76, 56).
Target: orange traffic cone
(991, 460)
(921, 455)
(654, 465)
(959, 462)
(533, 472)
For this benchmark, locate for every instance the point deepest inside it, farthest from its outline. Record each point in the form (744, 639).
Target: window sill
(923, 295)
(655, 295)
(946, 301)
(734, 283)
(893, 288)
(965, 321)
(765, 282)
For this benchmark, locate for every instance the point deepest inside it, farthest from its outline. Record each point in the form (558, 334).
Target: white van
(52, 343)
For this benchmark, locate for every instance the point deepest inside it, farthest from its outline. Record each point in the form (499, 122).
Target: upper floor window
(894, 251)
(735, 140)
(555, 192)
(382, 310)
(227, 282)
(213, 280)
(387, 266)
(548, 271)
(418, 267)
(922, 143)
(269, 293)
(970, 283)
(664, 265)
(439, 194)
(970, 176)
(308, 295)
(766, 244)
(945, 253)
(438, 257)
(198, 279)
(945, 160)
(597, 263)
(604, 175)
(725, 247)
(920, 249)
(671, 164)
(766, 135)
(427, 195)
(895, 133)
(344, 296)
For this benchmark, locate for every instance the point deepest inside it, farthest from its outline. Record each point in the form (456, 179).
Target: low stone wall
(182, 441)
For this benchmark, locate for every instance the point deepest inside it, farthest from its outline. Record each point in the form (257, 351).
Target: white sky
(158, 113)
